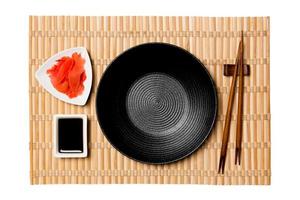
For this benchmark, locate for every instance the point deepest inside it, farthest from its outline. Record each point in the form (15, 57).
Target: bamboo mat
(213, 40)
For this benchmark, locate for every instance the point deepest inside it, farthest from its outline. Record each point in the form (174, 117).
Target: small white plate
(74, 154)
(43, 78)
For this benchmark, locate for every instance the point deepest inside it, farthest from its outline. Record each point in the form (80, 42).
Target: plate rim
(210, 128)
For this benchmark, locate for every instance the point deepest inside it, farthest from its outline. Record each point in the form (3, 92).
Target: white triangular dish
(43, 78)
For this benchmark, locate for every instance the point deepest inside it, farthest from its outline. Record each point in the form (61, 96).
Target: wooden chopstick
(239, 125)
(228, 113)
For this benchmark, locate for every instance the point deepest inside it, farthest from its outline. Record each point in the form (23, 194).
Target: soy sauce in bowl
(70, 135)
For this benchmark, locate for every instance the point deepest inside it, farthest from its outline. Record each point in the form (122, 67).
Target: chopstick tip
(237, 156)
(221, 165)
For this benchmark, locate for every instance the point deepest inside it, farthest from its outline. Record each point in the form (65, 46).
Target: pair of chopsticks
(239, 69)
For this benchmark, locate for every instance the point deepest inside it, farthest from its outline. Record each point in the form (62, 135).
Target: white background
(285, 79)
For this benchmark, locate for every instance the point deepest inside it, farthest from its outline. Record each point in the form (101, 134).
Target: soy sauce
(70, 135)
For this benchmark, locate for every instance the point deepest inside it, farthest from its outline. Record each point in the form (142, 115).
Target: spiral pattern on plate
(157, 104)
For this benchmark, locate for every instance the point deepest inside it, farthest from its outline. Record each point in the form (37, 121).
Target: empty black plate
(156, 103)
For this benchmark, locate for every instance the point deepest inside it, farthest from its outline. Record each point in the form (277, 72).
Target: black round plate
(156, 103)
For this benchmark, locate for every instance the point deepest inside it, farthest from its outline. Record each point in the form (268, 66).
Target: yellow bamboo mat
(213, 40)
